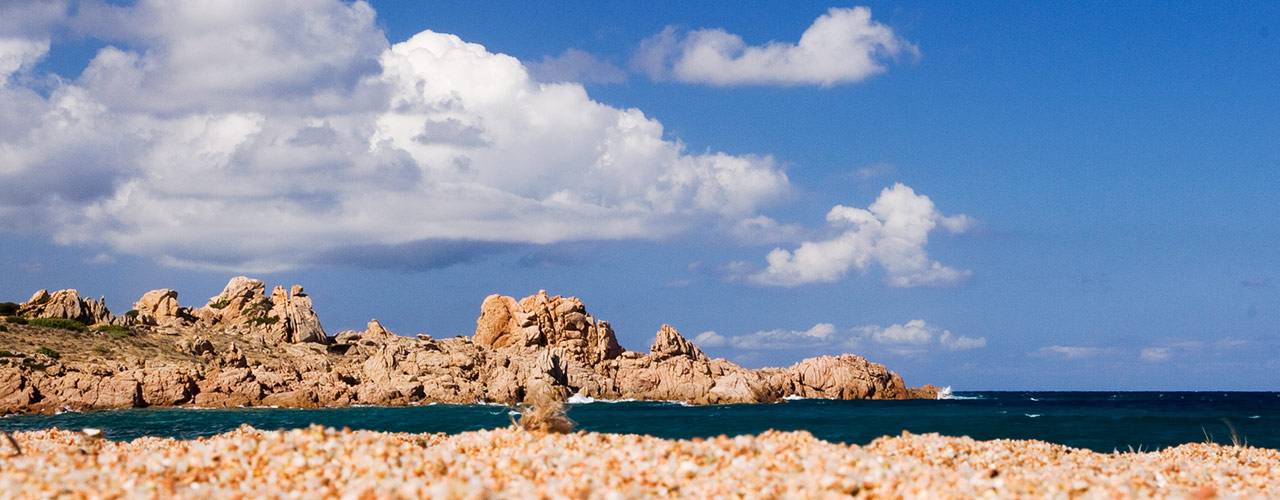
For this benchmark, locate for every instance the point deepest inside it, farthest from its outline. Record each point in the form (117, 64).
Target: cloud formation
(891, 233)
(912, 338)
(842, 46)
(283, 134)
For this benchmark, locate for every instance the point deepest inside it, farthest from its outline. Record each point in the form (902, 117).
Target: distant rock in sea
(247, 348)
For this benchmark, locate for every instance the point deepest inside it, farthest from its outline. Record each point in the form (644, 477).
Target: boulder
(841, 377)
(669, 343)
(160, 308)
(545, 321)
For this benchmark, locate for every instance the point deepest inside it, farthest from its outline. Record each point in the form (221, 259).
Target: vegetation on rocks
(117, 332)
(8, 309)
(17, 320)
(63, 323)
(48, 352)
(266, 320)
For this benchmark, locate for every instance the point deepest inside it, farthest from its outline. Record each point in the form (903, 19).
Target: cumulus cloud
(842, 46)
(576, 65)
(891, 233)
(917, 335)
(262, 136)
(914, 337)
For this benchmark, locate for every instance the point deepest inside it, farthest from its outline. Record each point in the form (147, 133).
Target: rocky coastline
(60, 351)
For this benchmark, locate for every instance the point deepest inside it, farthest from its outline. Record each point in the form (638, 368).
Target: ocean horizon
(1099, 421)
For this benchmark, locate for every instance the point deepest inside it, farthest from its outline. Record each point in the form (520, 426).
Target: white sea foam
(580, 399)
(1032, 415)
(945, 393)
(793, 397)
(1254, 416)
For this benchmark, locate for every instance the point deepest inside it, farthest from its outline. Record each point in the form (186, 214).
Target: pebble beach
(319, 462)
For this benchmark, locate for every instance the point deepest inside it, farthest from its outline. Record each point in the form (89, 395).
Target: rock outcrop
(249, 348)
(67, 304)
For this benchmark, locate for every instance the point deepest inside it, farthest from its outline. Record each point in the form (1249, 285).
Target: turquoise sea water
(1101, 421)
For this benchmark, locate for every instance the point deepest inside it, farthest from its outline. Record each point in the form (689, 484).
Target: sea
(1099, 421)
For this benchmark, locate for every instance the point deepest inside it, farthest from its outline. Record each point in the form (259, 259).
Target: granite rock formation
(245, 347)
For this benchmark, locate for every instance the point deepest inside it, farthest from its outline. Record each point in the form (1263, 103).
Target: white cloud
(17, 54)
(891, 233)
(819, 335)
(914, 332)
(842, 46)
(575, 65)
(710, 339)
(271, 135)
(961, 342)
(1155, 354)
(918, 335)
(1071, 352)
(914, 337)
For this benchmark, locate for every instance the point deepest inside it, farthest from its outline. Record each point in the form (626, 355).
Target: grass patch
(63, 323)
(221, 303)
(101, 350)
(48, 352)
(17, 320)
(4, 328)
(131, 314)
(6, 354)
(8, 309)
(268, 320)
(117, 332)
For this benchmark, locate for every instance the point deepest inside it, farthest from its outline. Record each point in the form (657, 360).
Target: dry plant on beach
(544, 412)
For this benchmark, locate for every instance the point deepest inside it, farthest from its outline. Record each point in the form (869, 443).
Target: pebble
(319, 462)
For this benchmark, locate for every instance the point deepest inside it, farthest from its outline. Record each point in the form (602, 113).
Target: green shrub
(17, 320)
(101, 350)
(8, 309)
(220, 303)
(268, 320)
(63, 323)
(48, 352)
(117, 332)
(132, 314)
(6, 354)
(4, 328)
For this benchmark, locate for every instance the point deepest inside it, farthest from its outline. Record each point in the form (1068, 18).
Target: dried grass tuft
(544, 412)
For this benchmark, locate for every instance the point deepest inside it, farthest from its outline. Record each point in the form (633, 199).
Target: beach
(322, 462)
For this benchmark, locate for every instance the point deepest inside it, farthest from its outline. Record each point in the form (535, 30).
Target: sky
(1039, 196)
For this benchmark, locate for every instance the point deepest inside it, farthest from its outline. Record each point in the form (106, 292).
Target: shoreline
(508, 462)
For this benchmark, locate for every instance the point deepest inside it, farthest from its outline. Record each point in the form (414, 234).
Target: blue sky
(1026, 196)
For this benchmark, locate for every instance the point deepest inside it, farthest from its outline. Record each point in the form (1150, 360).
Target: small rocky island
(60, 351)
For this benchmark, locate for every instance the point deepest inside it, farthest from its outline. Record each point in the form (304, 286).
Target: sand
(321, 462)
